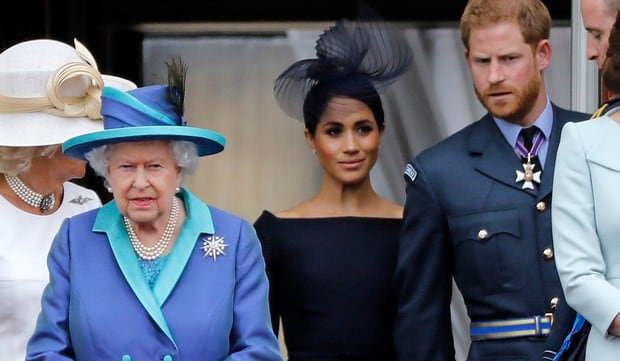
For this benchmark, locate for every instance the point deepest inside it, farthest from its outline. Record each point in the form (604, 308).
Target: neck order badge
(528, 149)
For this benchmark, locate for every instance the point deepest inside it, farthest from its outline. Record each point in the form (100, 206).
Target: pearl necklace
(158, 249)
(30, 197)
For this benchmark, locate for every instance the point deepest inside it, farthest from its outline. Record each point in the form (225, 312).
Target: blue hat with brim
(142, 114)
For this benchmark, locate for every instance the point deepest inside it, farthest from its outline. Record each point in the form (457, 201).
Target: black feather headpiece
(350, 54)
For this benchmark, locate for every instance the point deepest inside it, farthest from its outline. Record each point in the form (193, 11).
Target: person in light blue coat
(585, 215)
(155, 274)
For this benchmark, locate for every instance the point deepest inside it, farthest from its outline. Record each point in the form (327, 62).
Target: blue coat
(466, 217)
(98, 305)
(586, 227)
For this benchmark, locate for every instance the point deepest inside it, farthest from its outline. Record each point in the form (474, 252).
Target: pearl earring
(177, 190)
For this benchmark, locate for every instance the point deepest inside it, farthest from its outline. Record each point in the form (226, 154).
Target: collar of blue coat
(198, 221)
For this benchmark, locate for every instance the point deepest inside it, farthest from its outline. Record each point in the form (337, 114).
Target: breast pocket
(489, 252)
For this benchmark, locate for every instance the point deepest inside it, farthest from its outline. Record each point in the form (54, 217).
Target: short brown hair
(610, 71)
(532, 15)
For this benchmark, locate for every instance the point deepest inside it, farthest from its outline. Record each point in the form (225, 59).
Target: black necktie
(528, 137)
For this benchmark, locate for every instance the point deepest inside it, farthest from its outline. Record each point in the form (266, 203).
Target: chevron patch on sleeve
(411, 172)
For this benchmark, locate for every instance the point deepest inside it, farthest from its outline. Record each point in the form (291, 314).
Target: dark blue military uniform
(466, 217)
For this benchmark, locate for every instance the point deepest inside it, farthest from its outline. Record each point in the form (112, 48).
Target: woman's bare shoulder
(301, 210)
(390, 209)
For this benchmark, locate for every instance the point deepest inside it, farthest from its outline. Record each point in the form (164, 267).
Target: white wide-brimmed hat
(50, 92)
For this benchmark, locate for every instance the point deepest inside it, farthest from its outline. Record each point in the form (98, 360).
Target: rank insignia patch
(410, 172)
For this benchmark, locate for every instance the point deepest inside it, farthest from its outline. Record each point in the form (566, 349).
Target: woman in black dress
(330, 259)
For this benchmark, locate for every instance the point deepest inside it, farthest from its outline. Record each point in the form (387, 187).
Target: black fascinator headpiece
(353, 58)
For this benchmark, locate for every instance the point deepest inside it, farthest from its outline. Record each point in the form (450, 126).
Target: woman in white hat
(155, 274)
(49, 91)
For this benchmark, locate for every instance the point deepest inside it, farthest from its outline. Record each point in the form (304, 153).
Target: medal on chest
(532, 169)
(529, 175)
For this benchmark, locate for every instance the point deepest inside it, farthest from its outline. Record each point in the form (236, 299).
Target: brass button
(548, 253)
(553, 303)
(482, 234)
(541, 206)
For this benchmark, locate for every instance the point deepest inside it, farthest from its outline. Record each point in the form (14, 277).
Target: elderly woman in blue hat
(155, 274)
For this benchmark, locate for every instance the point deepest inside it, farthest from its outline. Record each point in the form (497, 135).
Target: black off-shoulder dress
(331, 283)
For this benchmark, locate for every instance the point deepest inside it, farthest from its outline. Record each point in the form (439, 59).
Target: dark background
(105, 27)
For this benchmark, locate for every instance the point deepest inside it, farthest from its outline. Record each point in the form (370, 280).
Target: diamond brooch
(214, 246)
